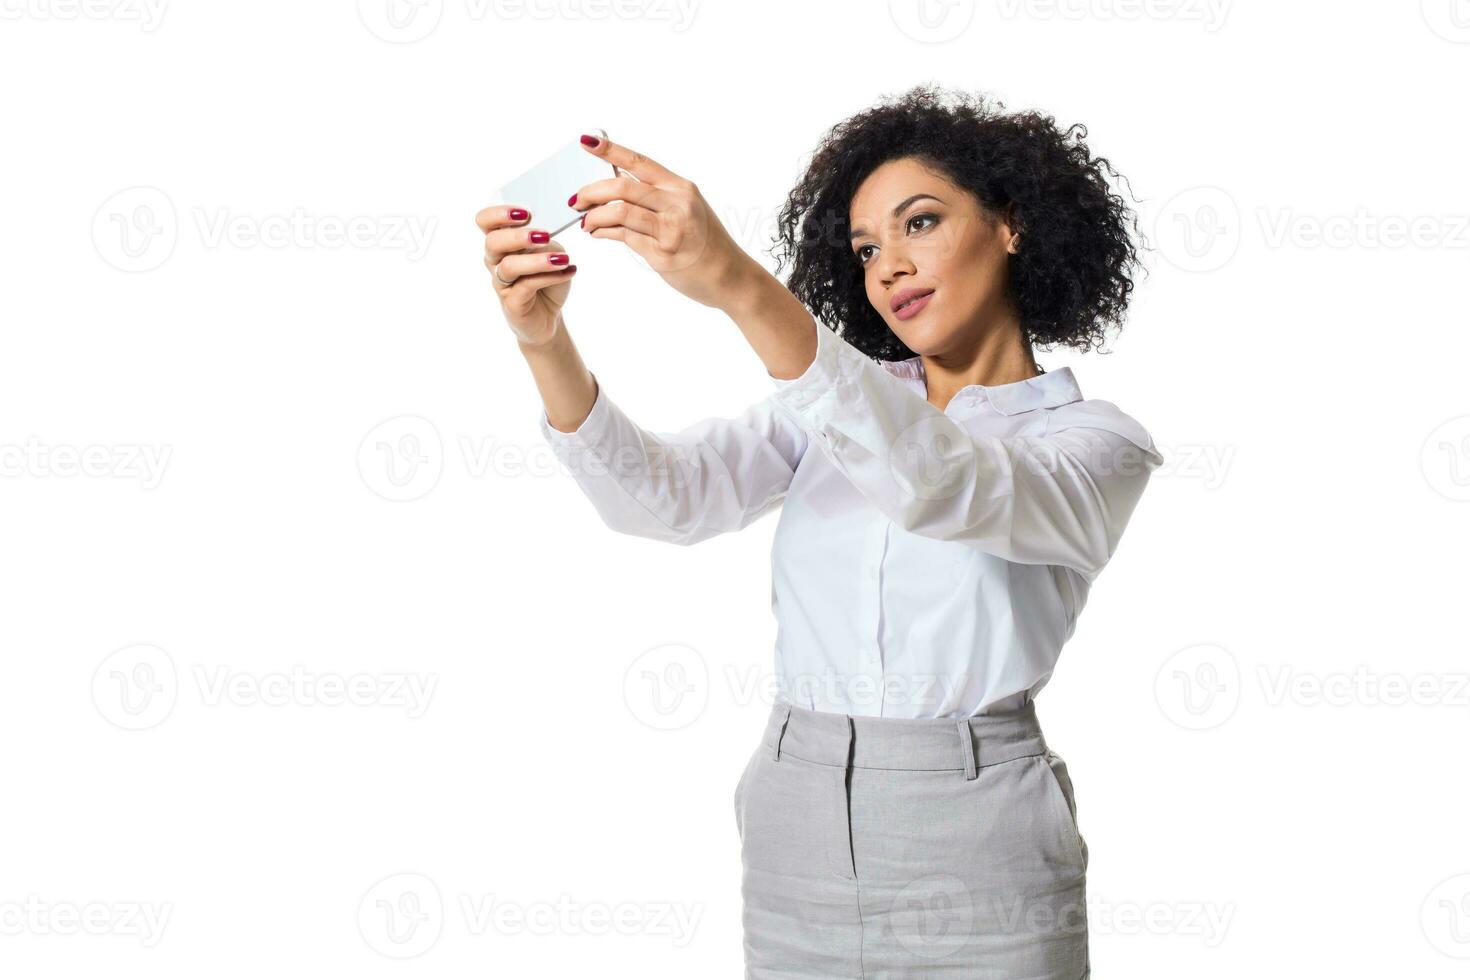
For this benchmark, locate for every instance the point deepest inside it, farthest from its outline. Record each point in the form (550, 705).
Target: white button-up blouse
(926, 564)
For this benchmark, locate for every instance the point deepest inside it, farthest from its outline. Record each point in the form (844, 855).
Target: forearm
(567, 387)
(775, 323)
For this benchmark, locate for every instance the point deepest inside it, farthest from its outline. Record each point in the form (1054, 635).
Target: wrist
(742, 285)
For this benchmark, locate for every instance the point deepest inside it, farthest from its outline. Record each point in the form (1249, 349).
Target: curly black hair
(1073, 275)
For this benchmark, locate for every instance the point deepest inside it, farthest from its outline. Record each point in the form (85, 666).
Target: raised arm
(1062, 496)
(714, 476)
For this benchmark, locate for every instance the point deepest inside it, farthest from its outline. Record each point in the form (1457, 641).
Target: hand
(539, 273)
(665, 219)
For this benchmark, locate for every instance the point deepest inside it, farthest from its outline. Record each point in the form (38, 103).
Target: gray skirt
(893, 848)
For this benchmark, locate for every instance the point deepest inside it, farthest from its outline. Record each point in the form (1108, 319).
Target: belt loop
(781, 733)
(967, 748)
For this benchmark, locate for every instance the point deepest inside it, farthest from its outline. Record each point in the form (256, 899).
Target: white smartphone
(543, 190)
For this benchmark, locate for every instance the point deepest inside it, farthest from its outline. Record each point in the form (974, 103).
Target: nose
(893, 263)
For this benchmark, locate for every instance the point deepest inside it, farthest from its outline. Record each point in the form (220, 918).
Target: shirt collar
(1047, 390)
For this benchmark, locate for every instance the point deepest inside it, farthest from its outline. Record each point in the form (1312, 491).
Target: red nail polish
(519, 214)
(572, 201)
(583, 222)
(558, 259)
(540, 237)
(570, 268)
(590, 141)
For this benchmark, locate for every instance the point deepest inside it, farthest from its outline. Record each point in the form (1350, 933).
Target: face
(913, 229)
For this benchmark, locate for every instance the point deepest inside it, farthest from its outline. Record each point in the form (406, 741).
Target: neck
(999, 355)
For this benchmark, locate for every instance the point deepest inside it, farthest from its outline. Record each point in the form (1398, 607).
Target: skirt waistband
(965, 745)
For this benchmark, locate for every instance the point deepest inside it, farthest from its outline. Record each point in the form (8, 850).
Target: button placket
(872, 577)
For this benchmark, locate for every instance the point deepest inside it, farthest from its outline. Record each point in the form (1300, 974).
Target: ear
(1008, 228)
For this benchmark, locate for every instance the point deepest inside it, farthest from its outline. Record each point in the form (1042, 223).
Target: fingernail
(584, 221)
(558, 259)
(590, 141)
(519, 214)
(572, 201)
(570, 268)
(540, 237)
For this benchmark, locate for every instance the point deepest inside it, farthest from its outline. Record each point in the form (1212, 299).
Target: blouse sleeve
(716, 475)
(1059, 498)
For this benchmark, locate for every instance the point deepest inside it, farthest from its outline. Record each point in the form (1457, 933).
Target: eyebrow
(902, 206)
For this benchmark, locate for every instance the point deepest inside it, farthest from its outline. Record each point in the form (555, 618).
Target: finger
(647, 247)
(519, 296)
(501, 242)
(512, 268)
(644, 168)
(501, 215)
(619, 189)
(621, 214)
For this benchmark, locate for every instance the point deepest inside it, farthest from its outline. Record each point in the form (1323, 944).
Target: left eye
(908, 225)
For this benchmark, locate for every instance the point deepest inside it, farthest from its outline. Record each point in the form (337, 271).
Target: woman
(947, 506)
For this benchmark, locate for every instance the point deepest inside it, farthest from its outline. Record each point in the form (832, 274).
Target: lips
(908, 296)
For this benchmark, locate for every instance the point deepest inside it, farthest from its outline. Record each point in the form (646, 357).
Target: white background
(1259, 796)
